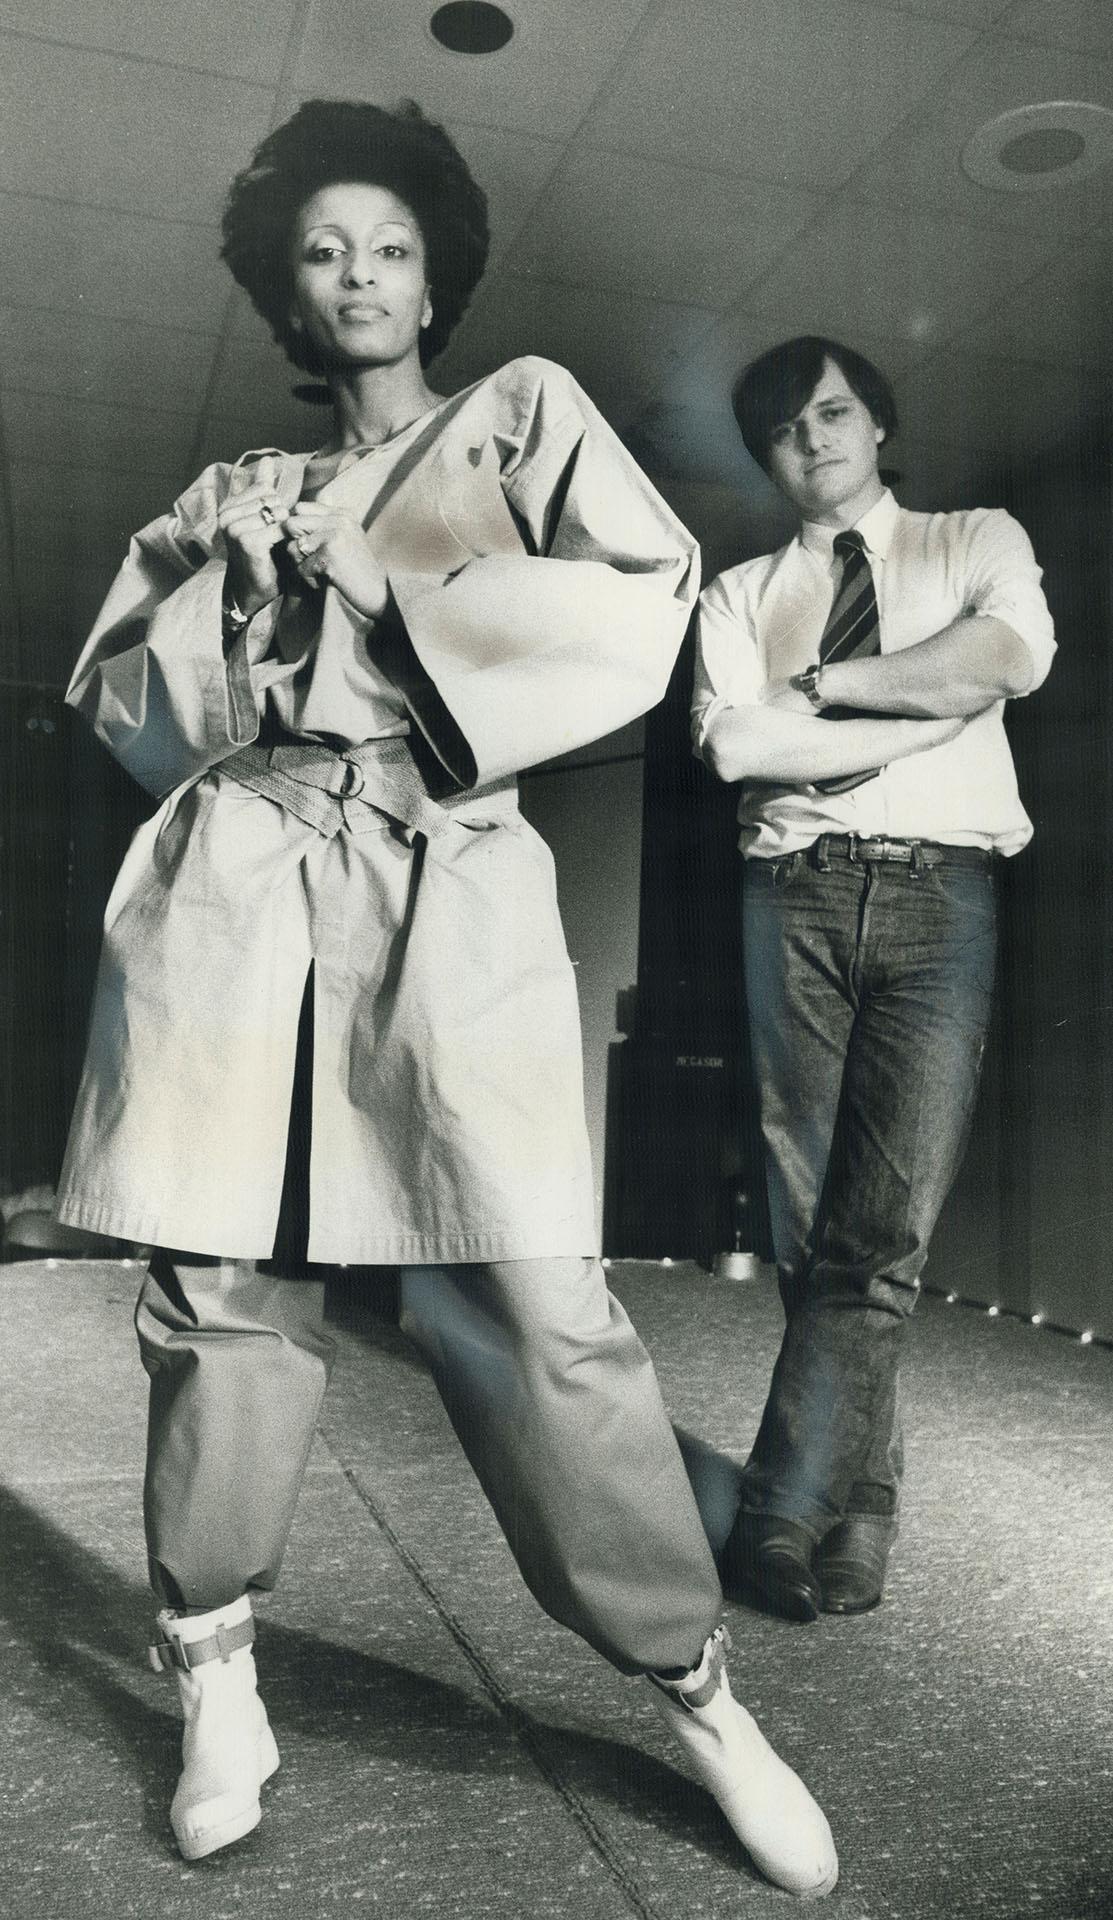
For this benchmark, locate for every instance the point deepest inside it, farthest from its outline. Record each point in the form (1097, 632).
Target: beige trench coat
(542, 590)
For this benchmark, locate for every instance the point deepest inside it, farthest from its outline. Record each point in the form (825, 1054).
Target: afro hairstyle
(327, 141)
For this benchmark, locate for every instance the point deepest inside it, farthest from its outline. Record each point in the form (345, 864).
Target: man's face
(825, 459)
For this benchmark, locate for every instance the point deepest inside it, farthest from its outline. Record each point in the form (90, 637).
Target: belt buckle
(352, 783)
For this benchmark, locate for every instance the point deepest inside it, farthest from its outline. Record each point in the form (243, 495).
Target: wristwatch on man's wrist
(806, 683)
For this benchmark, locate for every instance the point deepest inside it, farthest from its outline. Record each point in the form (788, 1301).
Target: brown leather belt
(915, 853)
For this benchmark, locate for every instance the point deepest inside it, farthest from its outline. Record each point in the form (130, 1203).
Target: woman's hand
(252, 525)
(325, 543)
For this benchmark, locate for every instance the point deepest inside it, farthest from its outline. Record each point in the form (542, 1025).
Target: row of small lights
(1085, 1338)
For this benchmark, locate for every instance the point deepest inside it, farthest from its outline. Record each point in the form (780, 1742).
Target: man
(870, 848)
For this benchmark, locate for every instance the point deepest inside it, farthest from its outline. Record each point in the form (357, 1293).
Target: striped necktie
(852, 631)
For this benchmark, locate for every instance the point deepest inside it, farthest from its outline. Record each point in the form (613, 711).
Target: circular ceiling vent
(1052, 143)
(471, 26)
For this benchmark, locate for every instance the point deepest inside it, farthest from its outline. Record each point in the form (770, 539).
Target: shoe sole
(213, 1838)
(850, 1606)
(786, 1603)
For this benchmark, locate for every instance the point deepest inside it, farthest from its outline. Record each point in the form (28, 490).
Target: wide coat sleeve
(570, 630)
(154, 678)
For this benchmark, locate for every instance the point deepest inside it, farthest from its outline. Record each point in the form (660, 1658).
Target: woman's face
(360, 291)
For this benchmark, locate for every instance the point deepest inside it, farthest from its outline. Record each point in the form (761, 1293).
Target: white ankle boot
(228, 1749)
(779, 1824)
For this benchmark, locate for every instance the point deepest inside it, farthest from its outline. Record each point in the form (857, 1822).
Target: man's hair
(774, 388)
(329, 141)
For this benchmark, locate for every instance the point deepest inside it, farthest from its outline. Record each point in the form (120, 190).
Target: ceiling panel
(252, 394)
(542, 82)
(1062, 319)
(121, 133)
(737, 338)
(253, 362)
(124, 266)
(228, 432)
(1020, 412)
(654, 277)
(688, 426)
(693, 442)
(512, 169)
(968, 13)
(1084, 25)
(914, 279)
(236, 37)
(85, 514)
(920, 167)
(779, 89)
(620, 349)
(90, 358)
(93, 435)
(612, 220)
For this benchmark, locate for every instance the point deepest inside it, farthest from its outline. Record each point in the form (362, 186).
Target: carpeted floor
(449, 1752)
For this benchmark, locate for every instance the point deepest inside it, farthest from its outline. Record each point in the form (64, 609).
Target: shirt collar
(876, 528)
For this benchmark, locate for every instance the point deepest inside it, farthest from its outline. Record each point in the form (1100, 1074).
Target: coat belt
(313, 781)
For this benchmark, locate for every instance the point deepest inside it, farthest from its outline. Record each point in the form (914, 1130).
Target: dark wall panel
(66, 815)
(1031, 1221)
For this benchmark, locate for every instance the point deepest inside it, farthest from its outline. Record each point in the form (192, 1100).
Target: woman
(332, 666)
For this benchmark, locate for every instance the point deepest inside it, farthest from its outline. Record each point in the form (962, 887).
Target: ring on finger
(302, 543)
(268, 515)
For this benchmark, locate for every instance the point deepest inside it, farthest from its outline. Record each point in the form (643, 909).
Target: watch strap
(805, 683)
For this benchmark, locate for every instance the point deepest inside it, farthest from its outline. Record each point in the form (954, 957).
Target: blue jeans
(868, 985)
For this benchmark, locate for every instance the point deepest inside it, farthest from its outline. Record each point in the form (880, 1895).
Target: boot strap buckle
(189, 1654)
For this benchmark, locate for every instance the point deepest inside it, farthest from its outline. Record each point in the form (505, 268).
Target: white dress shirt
(762, 621)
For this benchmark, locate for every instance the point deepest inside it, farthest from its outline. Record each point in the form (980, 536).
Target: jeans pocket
(762, 879)
(968, 892)
(783, 871)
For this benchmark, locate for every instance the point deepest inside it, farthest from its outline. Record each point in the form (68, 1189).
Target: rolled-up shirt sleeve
(728, 667)
(1004, 583)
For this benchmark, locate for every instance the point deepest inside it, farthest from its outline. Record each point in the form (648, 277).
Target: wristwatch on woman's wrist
(807, 684)
(233, 619)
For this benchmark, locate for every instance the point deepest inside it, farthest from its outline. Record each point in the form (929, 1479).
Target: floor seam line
(520, 1722)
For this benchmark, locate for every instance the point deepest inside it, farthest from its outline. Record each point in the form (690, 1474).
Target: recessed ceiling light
(1051, 143)
(471, 26)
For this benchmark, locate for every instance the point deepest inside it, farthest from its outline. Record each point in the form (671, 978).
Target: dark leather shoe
(851, 1560)
(769, 1560)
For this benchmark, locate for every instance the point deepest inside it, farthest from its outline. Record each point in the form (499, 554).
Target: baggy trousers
(547, 1385)
(869, 986)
